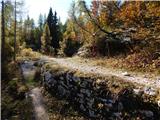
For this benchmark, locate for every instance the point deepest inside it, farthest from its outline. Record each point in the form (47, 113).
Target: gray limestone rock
(147, 113)
(150, 91)
(82, 107)
(92, 113)
(47, 76)
(62, 90)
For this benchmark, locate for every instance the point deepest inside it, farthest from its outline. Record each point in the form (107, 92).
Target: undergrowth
(14, 104)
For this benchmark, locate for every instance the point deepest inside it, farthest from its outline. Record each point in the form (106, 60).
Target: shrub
(27, 52)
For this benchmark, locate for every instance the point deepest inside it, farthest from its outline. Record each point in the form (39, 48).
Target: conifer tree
(52, 22)
(56, 33)
(46, 39)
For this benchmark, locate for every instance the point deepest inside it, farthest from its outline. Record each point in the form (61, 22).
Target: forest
(121, 35)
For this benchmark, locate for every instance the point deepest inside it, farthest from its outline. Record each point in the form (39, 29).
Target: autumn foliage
(129, 29)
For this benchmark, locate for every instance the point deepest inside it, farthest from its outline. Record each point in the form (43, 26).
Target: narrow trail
(38, 103)
(85, 66)
(28, 71)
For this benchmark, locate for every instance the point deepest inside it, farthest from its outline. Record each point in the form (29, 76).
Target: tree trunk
(15, 34)
(3, 33)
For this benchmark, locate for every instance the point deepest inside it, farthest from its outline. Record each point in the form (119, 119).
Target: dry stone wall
(100, 97)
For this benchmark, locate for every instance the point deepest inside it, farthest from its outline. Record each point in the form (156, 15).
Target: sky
(35, 7)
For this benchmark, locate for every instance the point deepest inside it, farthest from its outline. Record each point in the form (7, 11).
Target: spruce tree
(55, 42)
(52, 22)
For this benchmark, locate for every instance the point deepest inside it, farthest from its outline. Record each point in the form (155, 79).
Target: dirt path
(85, 66)
(38, 103)
(28, 71)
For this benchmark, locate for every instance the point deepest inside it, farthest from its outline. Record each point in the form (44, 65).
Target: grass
(30, 82)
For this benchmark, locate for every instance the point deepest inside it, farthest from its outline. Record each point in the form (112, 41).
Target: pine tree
(46, 40)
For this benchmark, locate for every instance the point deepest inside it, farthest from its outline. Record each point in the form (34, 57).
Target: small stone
(117, 115)
(91, 113)
(132, 29)
(75, 79)
(127, 39)
(83, 84)
(47, 76)
(68, 77)
(100, 105)
(108, 105)
(61, 78)
(103, 100)
(64, 85)
(100, 82)
(25, 62)
(80, 95)
(120, 106)
(83, 90)
(137, 91)
(150, 91)
(88, 93)
(54, 82)
(81, 101)
(110, 101)
(89, 80)
(61, 90)
(90, 103)
(82, 107)
(126, 74)
(158, 103)
(147, 113)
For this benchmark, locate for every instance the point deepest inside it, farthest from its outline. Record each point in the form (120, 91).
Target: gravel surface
(86, 67)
